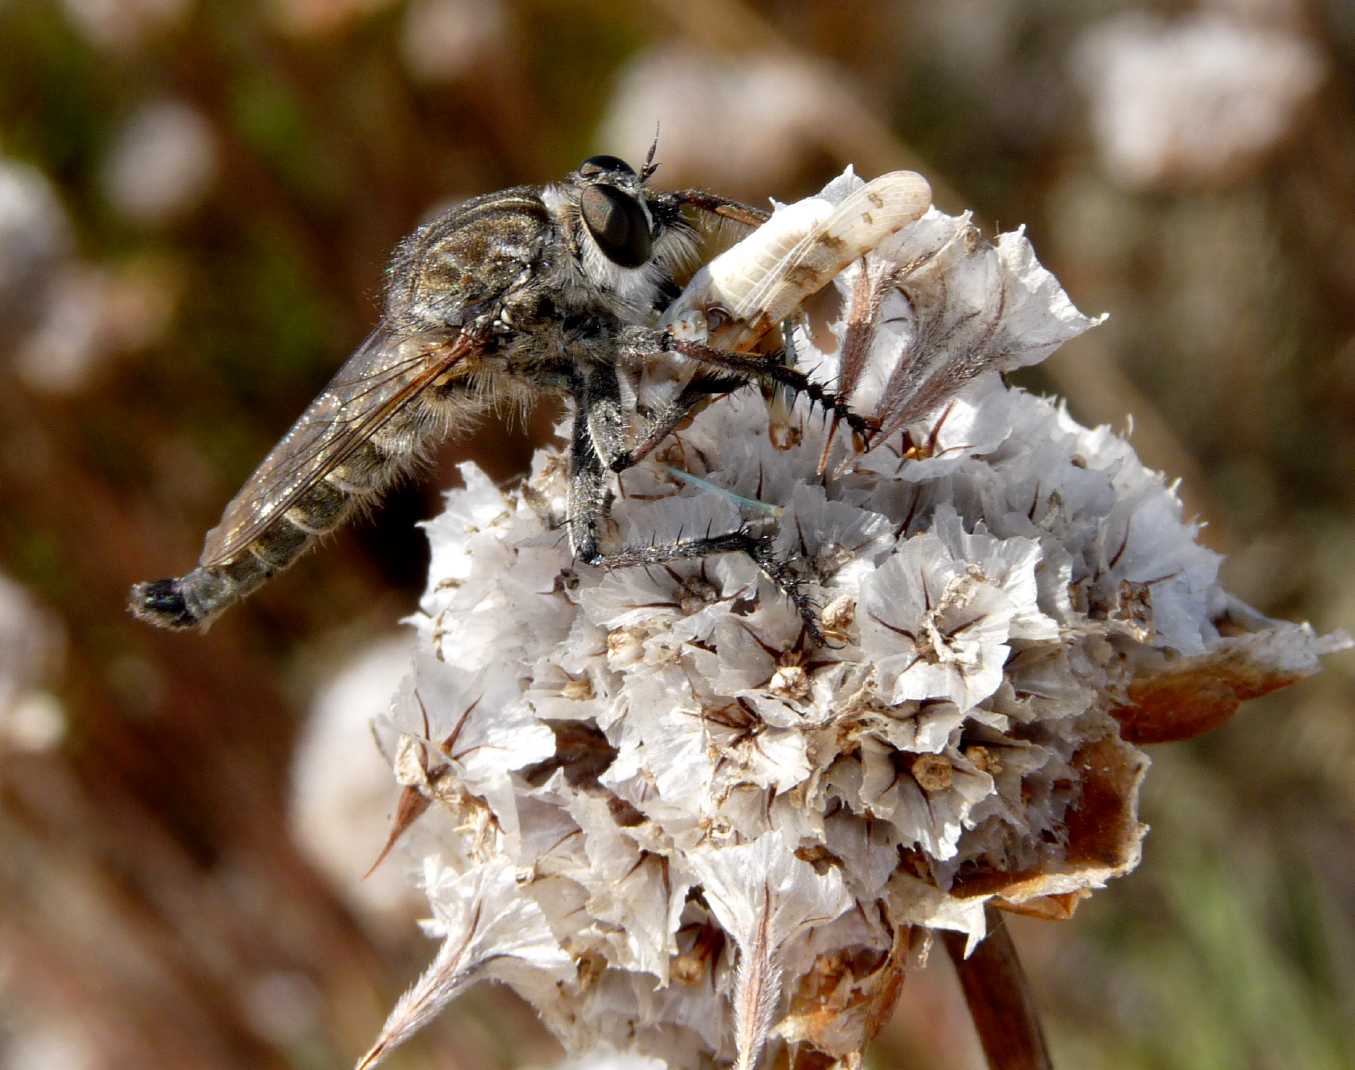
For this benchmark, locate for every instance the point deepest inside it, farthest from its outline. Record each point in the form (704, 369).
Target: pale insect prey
(536, 290)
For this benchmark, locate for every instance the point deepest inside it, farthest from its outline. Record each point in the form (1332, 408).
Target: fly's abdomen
(195, 599)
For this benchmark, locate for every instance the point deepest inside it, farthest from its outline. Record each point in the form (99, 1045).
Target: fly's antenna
(650, 166)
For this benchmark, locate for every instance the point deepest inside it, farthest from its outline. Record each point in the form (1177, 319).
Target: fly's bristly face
(626, 243)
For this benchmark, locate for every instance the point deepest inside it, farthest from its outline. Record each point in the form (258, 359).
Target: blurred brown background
(196, 200)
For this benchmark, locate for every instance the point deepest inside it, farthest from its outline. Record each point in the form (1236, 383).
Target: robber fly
(506, 297)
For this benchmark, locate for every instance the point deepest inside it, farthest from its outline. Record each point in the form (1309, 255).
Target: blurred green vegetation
(157, 912)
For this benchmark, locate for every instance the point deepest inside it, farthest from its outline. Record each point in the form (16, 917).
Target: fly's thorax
(455, 270)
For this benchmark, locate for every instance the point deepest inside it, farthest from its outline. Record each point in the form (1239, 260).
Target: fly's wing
(386, 373)
(764, 278)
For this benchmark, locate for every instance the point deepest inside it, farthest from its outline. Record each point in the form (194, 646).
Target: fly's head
(625, 241)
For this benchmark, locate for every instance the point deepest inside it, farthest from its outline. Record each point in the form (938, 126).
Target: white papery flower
(727, 120)
(716, 832)
(1204, 99)
(162, 163)
(340, 784)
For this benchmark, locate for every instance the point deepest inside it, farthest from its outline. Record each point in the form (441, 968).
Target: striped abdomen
(195, 599)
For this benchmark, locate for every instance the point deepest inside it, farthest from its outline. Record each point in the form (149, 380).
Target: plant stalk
(999, 999)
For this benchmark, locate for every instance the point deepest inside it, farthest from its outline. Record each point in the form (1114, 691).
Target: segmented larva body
(738, 297)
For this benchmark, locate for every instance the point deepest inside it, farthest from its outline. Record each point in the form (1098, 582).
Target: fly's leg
(661, 421)
(599, 432)
(770, 371)
(757, 545)
(714, 204)
(640, 345)
(598, 422)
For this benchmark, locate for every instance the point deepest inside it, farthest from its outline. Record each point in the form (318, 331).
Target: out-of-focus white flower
(724, 121)
(442, 40)
(340, 796)
(31, 647)
(34, 241)
(1293, 14)
(1199, 100)
(35, 721)
(121, 25)
(59, 316)
(162, 163)
(55, 1045)
(282, 1005)
(58, 354)
(611, 1060)
(310, 17)
(88, 315)
(702, 831)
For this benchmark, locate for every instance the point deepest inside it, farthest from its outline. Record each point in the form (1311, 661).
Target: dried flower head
(677, 823)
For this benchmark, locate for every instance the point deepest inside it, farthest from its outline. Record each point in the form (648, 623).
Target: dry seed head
(745, 823)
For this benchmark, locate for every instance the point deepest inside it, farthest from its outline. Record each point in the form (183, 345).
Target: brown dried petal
(1103, 834)
(1184, 699)
(837, 1012)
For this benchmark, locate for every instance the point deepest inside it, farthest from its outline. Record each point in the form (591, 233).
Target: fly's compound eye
(597, 165)
(618, 224)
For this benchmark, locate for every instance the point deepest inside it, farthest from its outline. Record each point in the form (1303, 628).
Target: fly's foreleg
(723, 207)
(732, 369)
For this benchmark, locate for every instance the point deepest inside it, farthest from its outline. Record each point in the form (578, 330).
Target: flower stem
(999, 999)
